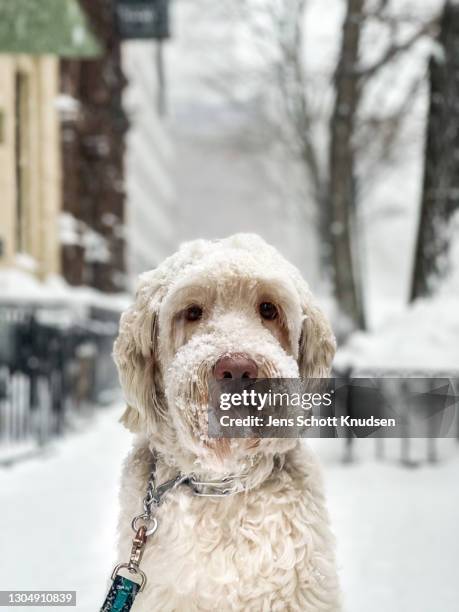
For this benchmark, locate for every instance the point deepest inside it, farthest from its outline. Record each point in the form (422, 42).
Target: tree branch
(395, 50)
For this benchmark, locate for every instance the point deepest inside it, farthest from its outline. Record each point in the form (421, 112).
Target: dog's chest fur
(266, 549)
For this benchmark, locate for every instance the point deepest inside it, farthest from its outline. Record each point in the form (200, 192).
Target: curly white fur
(270, 547)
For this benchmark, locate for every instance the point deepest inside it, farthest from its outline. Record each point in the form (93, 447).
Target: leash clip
(138, 546)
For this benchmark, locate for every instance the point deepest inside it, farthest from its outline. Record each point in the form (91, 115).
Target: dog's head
(232, 308)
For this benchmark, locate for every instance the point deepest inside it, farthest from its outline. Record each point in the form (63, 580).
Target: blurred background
(130, 126)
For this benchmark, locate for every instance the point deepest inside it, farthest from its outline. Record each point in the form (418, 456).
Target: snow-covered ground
(58, 514)
(397, 529)
(19, 285)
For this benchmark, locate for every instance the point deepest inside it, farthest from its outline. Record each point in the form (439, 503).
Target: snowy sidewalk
(59, 512)
(397, 529)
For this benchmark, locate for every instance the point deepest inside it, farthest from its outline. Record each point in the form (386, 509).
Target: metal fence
(55, 366)
(409, 450)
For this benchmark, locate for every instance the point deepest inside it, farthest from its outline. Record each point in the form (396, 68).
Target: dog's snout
(235, 366)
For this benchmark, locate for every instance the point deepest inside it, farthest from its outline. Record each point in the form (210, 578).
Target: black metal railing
(55, 366)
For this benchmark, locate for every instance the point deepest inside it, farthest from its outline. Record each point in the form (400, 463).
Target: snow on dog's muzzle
(218, 355)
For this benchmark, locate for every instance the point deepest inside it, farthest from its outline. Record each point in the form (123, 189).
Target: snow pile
(67, 106)
(20, 285)
(425, 336)
(73, 232)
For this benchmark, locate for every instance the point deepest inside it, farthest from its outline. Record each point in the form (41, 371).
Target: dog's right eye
(268, 311)
(193, 313)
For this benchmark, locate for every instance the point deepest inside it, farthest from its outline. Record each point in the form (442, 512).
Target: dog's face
(228, 309)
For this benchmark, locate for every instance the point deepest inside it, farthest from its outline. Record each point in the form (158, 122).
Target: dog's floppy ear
(317, 343)
(135, 354)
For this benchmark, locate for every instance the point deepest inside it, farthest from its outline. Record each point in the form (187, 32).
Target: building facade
(33, 38)
(75, 200)
(29, 162)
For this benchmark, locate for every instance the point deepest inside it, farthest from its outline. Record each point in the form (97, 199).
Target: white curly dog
(230, 308)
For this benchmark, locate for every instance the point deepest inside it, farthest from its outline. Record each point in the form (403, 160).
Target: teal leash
(121, 596)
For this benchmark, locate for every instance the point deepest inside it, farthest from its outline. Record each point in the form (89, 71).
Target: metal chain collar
(145, 524)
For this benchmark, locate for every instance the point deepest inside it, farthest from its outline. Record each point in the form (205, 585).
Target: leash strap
(121, 595)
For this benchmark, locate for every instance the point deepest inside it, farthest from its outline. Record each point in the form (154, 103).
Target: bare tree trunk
(341, 188)
(440, 196)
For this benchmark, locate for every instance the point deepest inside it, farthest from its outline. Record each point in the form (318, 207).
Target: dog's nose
(235, 366)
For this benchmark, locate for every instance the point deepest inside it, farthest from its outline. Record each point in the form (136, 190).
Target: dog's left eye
(193, 313)
(268, 311)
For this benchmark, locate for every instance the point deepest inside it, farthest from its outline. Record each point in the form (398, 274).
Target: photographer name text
(304, 421)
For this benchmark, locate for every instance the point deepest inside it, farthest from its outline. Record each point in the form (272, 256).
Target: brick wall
(93, 151)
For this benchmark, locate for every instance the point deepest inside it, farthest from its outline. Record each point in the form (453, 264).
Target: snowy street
(396, 529)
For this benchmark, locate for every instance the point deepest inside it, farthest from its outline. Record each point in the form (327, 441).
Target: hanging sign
(143, 19)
